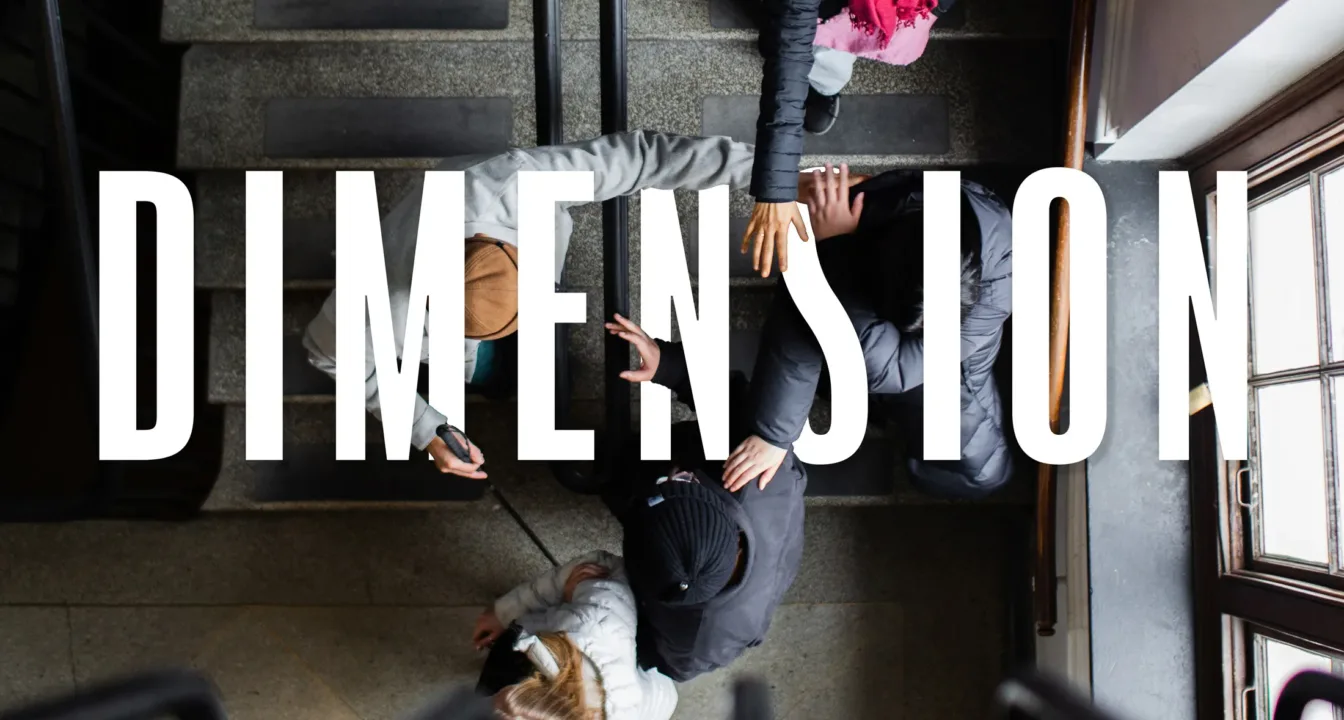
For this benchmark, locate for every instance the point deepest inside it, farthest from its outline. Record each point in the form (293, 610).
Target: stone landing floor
(898, 611)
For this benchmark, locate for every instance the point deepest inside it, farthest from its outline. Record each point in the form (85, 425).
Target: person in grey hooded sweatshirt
(870, 246)
(621, 163)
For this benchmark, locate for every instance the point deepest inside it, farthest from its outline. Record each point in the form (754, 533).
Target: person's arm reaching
(664, 362)
(786, 48)
(320, 340)
(621, 163)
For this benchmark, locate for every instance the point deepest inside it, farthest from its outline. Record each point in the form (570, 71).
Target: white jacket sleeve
(546, 590)
(320, 341)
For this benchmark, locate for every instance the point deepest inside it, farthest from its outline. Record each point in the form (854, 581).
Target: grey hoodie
(621, 163)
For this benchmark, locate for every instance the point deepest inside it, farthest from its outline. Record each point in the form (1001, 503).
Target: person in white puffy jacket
(563, 647)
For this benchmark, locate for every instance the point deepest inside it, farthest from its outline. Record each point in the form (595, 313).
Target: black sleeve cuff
(671, 372)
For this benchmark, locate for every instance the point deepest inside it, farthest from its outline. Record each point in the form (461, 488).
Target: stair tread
(237, 21)
(988, 96)
(302, 383)
(277, 105)
(310, 430)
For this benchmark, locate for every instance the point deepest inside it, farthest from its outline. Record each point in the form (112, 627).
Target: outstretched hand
(829, 208)
(768, 233)
(645, 345)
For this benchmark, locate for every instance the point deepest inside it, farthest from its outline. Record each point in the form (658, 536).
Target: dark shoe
(820, 112)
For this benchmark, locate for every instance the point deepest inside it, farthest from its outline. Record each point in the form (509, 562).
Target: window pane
(1291, 457)
(1283, 284)
(1282, 662)
(1332, 203)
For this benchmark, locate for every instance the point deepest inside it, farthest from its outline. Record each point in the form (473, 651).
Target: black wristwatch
(448, 434)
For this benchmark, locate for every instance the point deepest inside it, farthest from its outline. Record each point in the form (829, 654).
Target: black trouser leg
(504, 666)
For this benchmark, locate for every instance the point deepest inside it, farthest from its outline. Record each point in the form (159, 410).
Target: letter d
(118, 194)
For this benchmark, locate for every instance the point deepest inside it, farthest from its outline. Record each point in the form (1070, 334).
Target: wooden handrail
(1075, 139)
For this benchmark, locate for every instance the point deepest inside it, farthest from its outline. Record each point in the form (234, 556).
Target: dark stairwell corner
(311, 588)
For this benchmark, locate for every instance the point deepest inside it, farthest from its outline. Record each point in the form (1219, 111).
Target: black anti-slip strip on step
(381, 14)
(310, 249)
(387, 127)
(869, 124)
(869, 471)
(739, 263)
(311, 473)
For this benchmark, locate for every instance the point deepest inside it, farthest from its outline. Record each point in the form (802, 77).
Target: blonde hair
(539, 698)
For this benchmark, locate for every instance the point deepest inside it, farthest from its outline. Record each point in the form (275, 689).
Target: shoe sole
(830, 124)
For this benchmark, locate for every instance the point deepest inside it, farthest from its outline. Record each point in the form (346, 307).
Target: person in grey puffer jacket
(873, 261)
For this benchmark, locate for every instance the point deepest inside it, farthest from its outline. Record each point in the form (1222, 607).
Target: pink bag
(905, 46)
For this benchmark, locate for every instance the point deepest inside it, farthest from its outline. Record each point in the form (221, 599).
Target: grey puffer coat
(790, 362)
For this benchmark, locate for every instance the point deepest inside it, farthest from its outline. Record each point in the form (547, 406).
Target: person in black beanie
(708, 566)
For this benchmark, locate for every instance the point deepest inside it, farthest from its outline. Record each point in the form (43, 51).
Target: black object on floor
(180, 694)
(873, 124)
(311, 473)
(395, 15)
(504, 666)
(387, 127)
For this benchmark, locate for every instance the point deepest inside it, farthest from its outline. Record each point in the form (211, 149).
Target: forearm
(786, 48)
(784, 381)
(544, 591)
(320, 340)
(625, 163)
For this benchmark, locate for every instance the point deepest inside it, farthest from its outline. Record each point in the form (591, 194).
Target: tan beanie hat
(491, 288)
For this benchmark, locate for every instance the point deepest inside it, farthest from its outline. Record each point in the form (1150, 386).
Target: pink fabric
(906, 44)
(884, 17)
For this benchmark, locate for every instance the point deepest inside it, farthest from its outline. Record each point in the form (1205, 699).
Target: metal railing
(615, 236)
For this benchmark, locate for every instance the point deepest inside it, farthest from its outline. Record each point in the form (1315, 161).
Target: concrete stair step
(353, 105)
(389, 105)
(311, 477)
(962, 104)
(305, 384)
(220, 21)
(310, 230)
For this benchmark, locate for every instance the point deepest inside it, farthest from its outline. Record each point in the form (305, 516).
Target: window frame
(1236, 595)
(1246, 490)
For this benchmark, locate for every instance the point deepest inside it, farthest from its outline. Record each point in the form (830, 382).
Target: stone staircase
(282, 84)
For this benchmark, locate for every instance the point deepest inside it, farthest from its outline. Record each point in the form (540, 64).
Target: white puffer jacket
(601, 622)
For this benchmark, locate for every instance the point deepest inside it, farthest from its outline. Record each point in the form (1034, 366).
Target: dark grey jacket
(683, 642)
(790, 362)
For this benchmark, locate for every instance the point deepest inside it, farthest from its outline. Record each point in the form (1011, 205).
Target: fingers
(629, 324)
(742, 476)
(753, 226)
(818, 190)
(766, 477)
(765, 252)
(757, 243)
(830, 183)
(461, 469)
(842, 187)
(637, 376)
(858, 205)
(738, 475)
(475, 454)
